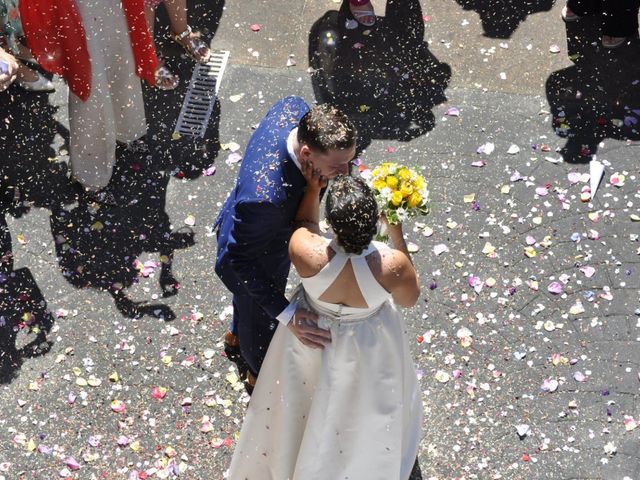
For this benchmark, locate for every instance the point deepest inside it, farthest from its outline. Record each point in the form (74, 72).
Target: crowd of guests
(83, 41)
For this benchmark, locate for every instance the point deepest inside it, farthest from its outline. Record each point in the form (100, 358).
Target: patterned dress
(11, 24)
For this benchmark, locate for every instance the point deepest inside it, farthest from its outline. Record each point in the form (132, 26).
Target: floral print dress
(11, 24)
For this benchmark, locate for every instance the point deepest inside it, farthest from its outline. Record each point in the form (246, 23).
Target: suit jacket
(256, 221)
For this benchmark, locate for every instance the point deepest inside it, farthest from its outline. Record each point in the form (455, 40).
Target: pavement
(526, 334)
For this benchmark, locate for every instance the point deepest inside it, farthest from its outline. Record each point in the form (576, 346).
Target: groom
(257, 220)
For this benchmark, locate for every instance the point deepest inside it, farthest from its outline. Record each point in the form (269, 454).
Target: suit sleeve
(254, 227)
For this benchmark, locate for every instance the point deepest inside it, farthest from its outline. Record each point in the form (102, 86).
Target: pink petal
(72, 463)
(580, 377)
(555, 288)
(574, 177)
(588, 271)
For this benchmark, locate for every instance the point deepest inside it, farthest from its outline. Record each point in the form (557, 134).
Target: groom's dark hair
(325, 128)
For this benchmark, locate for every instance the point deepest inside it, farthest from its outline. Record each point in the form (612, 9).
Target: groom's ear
(305, 152)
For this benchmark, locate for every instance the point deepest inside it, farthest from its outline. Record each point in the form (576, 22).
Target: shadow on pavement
(103, 246)
(500, 18)
(387, 81)
(30, 175)
(96, 245)
(599, 96)
(24, 318)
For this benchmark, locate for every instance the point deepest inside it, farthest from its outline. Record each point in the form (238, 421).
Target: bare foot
(26, 74)
(193, 45)
(612, 42)
(568, 15)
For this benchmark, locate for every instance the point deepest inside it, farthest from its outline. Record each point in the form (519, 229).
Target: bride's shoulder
(389, 260)
(308, 251)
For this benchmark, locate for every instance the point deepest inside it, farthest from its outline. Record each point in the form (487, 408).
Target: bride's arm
(405, 285)
(308, 215)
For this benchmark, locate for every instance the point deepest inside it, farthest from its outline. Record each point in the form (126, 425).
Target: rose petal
(440, 249)
(555, 288)
(588, 271)
(72, 463)
(580, 377)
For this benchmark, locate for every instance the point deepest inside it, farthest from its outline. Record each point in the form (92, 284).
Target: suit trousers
(619, 17)
(255, 328)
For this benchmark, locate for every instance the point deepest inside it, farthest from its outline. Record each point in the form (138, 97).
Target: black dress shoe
(232, 351)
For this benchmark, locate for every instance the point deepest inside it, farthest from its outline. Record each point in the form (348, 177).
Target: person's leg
(363, 12)
(177, 10)
(255, 330)
(165, 79)
(150, 15)
(620, 19)
(189, 40)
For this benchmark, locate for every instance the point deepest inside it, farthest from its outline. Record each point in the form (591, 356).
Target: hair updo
(352, 212)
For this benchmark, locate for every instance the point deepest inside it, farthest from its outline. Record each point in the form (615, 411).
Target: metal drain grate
(201, 95)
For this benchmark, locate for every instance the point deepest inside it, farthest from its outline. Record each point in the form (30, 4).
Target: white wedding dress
(115, 108)
(351, 411)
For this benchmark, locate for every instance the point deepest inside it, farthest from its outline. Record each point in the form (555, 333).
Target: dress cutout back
(373, 293)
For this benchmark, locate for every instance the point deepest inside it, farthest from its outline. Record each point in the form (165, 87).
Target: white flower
(403, 215)
(385, 194)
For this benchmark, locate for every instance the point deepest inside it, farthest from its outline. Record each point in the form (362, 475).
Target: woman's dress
(351, 411)
(115, 108)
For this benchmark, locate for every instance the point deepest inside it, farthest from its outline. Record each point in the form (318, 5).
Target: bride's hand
(315, 181)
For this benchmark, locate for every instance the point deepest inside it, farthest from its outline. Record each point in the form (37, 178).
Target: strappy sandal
(193, 45)
(360, 15)
(165, 79)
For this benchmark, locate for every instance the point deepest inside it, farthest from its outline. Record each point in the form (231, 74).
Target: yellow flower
(396, 199)
(414, 200)
(379, 184)
(418, 183)
(404, 174)
(392, 182)
(406, 189)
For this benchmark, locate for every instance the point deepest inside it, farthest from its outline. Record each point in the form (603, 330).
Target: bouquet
(400, 191)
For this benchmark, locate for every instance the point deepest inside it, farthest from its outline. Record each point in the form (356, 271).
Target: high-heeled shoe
(42, 84)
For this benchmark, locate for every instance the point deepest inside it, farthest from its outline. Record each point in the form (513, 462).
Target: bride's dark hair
(352, 212)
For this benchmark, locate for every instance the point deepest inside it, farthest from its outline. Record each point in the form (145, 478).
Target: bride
(351, 410)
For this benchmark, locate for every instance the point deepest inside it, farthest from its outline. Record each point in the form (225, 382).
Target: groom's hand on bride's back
(304, 325)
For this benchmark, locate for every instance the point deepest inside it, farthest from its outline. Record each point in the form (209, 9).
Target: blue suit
(254, 228)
